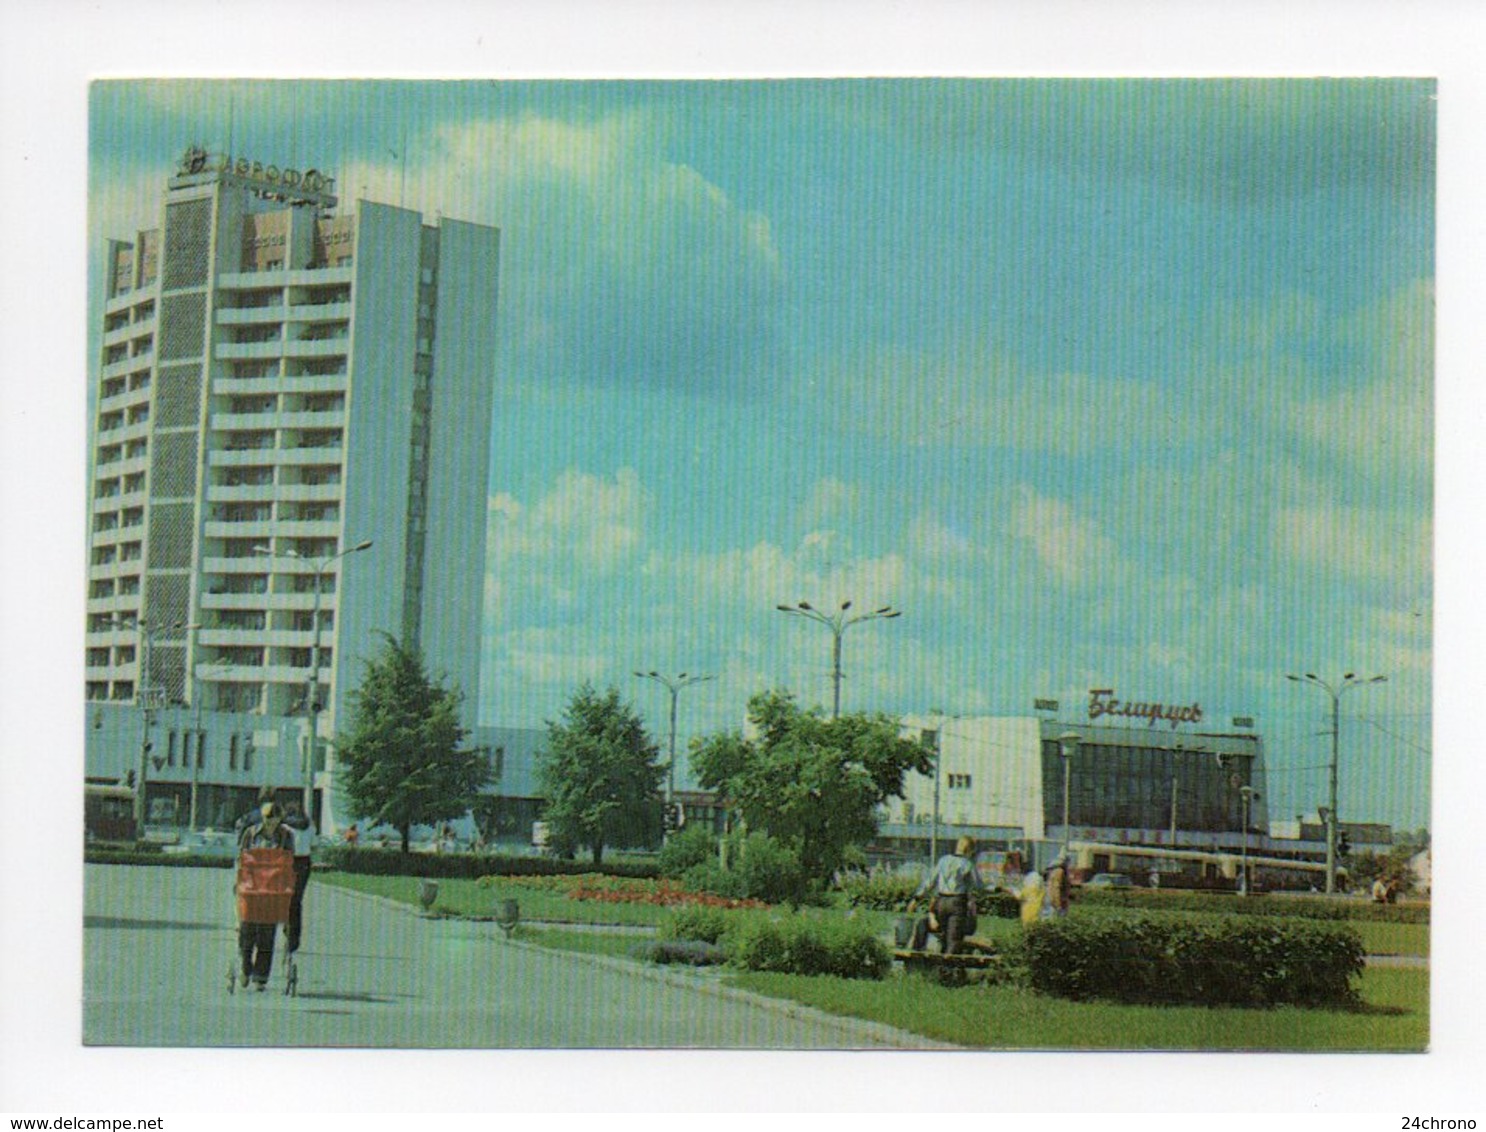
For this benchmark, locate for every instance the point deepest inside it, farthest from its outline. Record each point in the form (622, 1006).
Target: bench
(981, 956)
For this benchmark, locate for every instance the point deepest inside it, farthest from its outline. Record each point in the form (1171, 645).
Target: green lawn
(467, 898)
(1395, 1016)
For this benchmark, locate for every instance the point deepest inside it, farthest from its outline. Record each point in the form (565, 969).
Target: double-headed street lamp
(674, 686)
(1335, 691)
(838, 623)
(312, 682)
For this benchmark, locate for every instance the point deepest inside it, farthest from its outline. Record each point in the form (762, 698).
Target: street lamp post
(674, 686)
(838, 623)
(1249, 794)
(142, 699)
(312, 681)
(934, 828)
(1348, 681)
(1068, 747)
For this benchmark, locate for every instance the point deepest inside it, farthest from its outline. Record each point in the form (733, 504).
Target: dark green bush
(885, 892)
(1302, 907)
(793, 943)
(685, 850)
(153, 856)
(691, 952)
(805, 945)
(1000, 904)
(392, 862)
(700, 922)
(759, 868)
(1192, 960)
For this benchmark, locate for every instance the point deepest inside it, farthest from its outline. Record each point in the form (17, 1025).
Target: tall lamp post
(838, 623)
(142, 699)
(1068, 747)
(1335, 691)
(312, 681)
(674, 686)
(1249, 794)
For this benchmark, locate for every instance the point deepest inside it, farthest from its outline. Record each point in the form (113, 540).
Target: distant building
(1154, 789)
(280, 383)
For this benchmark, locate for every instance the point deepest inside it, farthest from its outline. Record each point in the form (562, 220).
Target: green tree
(402, 762)
(600, 776)
(812, 783)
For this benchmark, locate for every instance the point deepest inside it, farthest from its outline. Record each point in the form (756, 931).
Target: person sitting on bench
(953, 883)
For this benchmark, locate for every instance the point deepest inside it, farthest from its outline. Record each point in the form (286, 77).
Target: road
(158, 943)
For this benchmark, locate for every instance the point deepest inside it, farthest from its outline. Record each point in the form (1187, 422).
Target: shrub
(700, 922)
(692, 952)
(153, 856)
(469, 866)
(1202, 961)
(806, 945)
(889, 892)
(1300, 907)
(692, 846)
(761, 868)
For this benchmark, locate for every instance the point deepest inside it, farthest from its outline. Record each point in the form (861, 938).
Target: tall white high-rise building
(281, 383)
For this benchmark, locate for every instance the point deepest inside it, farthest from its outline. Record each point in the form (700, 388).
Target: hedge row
(154, 856)
(791, 944)
(1302, 907)
(892, 894)
(1195, 961)
(469, 866)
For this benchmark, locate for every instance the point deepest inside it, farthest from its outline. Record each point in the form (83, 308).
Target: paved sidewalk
(158, 943)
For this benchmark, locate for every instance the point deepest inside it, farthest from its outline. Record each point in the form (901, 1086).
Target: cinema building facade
(1129, 787)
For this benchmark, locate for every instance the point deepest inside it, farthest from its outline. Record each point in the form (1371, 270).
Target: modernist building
(280, 384)
(1158, 789)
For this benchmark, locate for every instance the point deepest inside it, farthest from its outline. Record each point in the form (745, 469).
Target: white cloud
(1072, 546)
(585, 524)
(1358, 544)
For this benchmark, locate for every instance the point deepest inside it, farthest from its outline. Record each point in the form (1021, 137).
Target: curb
(852, 1029)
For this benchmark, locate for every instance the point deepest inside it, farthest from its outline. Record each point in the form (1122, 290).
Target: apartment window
(247, 752)
(103, 555)
(129, 552)
(98, 658)
(128, 586)
(104, 587)
(232, 752)
(106, 489)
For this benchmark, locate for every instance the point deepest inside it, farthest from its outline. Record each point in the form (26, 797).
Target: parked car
(1109, 880)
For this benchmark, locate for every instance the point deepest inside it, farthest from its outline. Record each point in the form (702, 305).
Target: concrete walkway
(158, 943)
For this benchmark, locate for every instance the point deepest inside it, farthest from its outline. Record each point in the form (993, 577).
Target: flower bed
(619, 890)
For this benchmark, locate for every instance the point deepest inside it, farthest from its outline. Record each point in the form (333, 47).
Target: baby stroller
(264, 888)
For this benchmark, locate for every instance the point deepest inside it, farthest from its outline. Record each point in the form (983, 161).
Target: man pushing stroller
(254, 938)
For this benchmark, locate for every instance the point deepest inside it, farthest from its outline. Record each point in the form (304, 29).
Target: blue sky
(1118, 384)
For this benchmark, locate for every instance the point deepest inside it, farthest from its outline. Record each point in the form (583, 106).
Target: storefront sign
(196, 160)
(1102, 702)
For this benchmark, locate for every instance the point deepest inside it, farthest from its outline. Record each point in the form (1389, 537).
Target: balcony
(319, 312)
(316, 347)
(250, 316)
(247, 351)
(296, 383)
